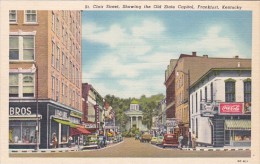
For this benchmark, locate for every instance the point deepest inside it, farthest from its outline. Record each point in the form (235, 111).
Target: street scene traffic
(128, 84)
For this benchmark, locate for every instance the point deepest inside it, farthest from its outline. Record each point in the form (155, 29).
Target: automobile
(153, 140)
(159, 140)
(146, 137)
(170, 140)
(91, 142)
(137, 137)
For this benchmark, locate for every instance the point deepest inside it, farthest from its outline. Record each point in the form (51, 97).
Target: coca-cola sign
(231, 108)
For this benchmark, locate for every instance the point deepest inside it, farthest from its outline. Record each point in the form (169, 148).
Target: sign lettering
(231, 108)
(20, 111)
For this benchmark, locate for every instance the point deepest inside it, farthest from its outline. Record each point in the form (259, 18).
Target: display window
(22, 132)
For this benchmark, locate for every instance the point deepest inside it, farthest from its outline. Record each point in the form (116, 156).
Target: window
(13, 48)
(230, 91)
(12, 16)
(63, 63)
(211, 92)
(197, 127)
(206, 94)
(247, 91)
(196, 107)
(192, 105)
(24, 81)
(22, 132)
(24, 52)
(30, 16)
(53, 22)
(53, 54)
(57, 89)
(58, 27)
(63, 92)
(53, 87)
(28, 85)
(58, 59)
(13, 85)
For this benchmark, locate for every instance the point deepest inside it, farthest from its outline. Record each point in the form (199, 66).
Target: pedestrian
(54, 141)
(193, 140)
(69, 141)
(180, 141)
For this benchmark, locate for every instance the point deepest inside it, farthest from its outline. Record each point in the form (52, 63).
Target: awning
(79, 130)
(64, 122)
(237, 124)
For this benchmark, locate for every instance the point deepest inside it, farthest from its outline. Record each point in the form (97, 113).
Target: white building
(135, 117)
(218, 115)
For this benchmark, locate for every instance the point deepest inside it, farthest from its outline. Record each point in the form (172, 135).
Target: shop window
(24, 52)
(230, 91)
(22, 132)
(12, 16)
(30, 16)
(64, 133)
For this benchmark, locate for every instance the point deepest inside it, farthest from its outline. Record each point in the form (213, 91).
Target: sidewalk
(55, 150)
(225, 148)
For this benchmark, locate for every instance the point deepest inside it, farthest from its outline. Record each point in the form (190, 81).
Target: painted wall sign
(230, 108)
(17, 111)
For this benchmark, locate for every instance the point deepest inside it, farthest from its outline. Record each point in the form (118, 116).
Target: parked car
(146, 137)
(91, 142)
(137, 137)
(159, 140)
(170, 140)
(153, 140)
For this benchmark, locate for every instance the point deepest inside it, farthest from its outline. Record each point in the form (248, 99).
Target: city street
(133, 148)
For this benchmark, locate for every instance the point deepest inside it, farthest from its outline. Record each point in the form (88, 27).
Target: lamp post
(37, 107)
(188, 74)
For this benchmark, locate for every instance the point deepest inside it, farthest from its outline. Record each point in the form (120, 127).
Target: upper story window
(12, 16)
(247, 91)
(21, 85)
(21, 47)
(30, 16)
(230, 90)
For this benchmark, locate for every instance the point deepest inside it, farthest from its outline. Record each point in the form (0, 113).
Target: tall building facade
(45, 76)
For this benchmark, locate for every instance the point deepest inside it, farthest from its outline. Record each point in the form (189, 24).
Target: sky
(126, 53)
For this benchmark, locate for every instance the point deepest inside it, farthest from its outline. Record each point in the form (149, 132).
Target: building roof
(134, 101)
(217, 69)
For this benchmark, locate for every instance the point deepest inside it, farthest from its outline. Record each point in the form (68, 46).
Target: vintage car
(170, 140)
(153, 140)
(91, 142)
(159, 140)
(146, 137)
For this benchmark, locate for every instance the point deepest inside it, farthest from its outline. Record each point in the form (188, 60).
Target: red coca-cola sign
(231, 108)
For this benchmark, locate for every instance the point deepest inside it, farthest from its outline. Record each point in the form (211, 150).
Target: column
(137, 126)
(131, 124)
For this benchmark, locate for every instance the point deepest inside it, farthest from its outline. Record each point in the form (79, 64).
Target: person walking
(180, 141)
(54, 141)
(69, 141)
(193, 140)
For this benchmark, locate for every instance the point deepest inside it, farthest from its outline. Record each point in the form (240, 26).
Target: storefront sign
(90, 126)
(20, 111)
(61, 114)
(230, 108)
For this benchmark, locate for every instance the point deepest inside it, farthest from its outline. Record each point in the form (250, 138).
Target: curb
(216, 149)
(43, 151)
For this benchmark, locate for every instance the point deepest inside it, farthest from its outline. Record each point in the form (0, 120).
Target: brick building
(45, 66)
(188, 69)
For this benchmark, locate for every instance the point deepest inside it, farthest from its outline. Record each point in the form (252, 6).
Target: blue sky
(125, 53)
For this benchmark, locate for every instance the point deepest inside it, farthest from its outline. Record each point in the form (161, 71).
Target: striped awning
(237, 124)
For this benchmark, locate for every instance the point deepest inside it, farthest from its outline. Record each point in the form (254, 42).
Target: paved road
(133, 148)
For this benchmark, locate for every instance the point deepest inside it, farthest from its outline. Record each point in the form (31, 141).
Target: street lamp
(37, 107)
(188, 74)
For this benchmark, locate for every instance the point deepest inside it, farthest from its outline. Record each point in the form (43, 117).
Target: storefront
(237, 124)
(54, 120)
